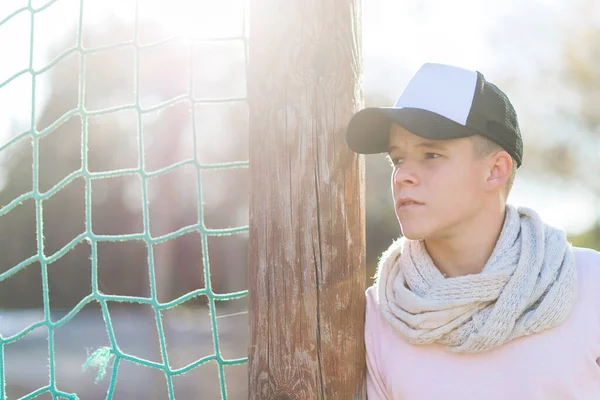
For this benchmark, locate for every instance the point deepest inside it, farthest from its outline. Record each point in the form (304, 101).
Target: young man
(479, 299)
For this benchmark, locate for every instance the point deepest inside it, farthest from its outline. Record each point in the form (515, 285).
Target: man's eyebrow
(427, 145)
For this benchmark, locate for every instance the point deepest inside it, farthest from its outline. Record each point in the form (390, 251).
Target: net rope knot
(99, 359)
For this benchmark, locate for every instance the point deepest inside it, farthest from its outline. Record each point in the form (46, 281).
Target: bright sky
(398, 37)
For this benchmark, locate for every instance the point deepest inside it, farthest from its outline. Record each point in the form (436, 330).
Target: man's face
(442, 176)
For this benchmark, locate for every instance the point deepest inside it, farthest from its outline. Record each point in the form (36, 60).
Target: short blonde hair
(483, 146)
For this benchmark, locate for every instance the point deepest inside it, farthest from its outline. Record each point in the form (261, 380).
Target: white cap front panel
(442, 89)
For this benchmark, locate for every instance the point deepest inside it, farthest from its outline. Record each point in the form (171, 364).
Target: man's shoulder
(587, 263)
(373, 312)
(587, 259)
(371, 297)
(586, 251)
(376, 325)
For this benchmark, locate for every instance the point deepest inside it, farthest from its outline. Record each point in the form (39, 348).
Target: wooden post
(307, 237)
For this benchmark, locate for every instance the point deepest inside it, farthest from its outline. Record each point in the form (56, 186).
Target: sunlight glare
(193, 19)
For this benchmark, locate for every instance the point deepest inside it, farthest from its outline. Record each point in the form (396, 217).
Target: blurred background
(180, 95)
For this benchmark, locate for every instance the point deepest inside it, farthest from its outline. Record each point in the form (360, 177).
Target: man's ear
(500, 167)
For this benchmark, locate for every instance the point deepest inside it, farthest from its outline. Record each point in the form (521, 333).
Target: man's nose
(404, 175)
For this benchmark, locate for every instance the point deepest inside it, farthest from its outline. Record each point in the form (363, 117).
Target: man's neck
(467, 252)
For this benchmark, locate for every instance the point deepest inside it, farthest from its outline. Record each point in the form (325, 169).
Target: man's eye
(432, 155)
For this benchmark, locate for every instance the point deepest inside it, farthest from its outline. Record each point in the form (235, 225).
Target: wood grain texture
(307, 237)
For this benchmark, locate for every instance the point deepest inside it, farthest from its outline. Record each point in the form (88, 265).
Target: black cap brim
(368, 130)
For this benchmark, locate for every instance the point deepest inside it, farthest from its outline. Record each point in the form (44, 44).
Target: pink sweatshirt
(558, 364)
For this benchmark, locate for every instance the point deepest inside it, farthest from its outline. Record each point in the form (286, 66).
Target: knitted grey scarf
(528, 285)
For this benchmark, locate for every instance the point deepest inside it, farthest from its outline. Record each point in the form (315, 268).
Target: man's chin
(413, 235)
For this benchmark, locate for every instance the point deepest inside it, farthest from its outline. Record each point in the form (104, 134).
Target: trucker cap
(441, 102)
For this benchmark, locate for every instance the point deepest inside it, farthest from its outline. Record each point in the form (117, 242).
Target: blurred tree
(580, 156)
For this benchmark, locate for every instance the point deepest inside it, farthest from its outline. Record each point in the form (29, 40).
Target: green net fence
(107, 359)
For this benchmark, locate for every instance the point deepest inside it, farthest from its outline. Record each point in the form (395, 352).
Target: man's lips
(407, 206)
(407, 202)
